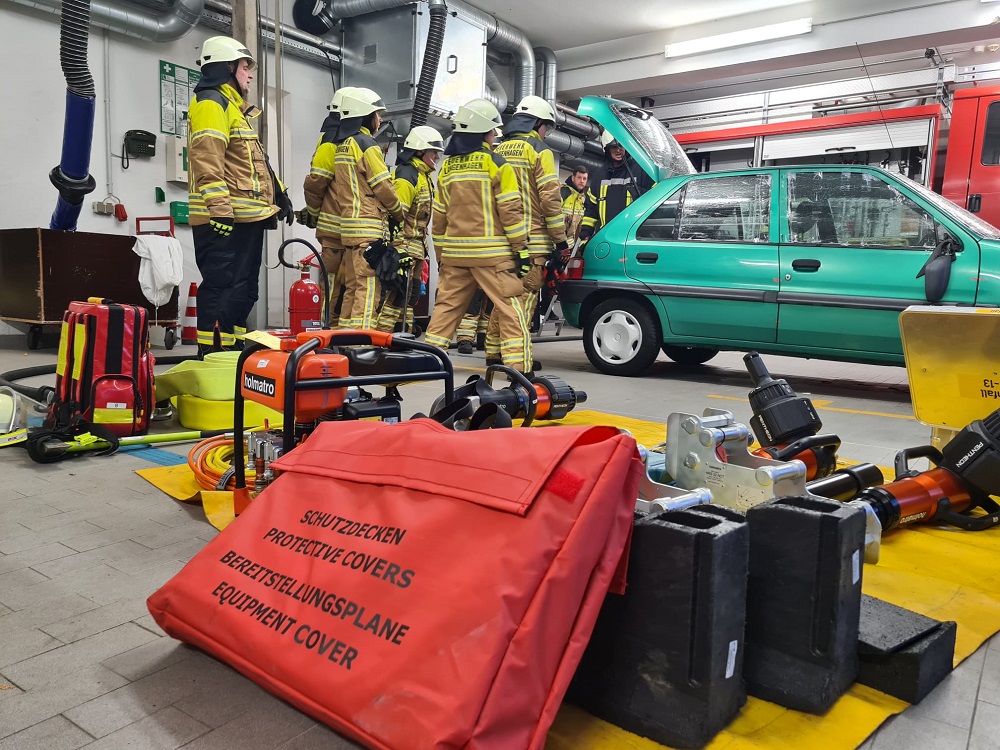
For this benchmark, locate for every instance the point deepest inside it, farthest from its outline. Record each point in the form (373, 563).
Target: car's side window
(855, 209)
(715, 209)
(662, 223)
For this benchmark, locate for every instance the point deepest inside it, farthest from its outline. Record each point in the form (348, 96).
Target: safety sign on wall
(176, 89)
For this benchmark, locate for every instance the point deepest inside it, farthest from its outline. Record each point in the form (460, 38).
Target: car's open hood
(642, 135)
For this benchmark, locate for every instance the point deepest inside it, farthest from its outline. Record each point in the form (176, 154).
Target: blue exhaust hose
(72, 176)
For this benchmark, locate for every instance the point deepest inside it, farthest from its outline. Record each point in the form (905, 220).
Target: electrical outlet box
(105, 208)
(176, 151)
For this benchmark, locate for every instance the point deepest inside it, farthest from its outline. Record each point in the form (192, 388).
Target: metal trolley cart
(43, 270)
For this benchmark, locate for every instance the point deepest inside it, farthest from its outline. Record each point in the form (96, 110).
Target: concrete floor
(84, 542)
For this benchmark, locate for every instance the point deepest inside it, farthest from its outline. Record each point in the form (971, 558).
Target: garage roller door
(879, 136)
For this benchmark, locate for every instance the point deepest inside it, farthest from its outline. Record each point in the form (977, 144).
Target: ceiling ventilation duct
(135, 22)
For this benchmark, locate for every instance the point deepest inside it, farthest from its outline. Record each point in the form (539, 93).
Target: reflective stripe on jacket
(538, 179)
(614, 191)
(478, 211)
(363, 190)
(574, 205)
(416, 195)
(320, 198)
(228, 174)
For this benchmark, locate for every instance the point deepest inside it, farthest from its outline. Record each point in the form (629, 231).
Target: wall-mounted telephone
(140, 143)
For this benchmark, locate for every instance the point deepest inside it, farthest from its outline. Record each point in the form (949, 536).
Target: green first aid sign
(176, 89)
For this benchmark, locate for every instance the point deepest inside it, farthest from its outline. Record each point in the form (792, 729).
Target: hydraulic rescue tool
(965, 474)
(786, 425)
(707, 459)
(308, 379)
(479, 400)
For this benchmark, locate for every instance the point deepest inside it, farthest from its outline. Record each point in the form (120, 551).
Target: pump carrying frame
(311, 341)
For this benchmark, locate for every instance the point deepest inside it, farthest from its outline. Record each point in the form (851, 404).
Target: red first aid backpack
(414, 587)
(104, 373)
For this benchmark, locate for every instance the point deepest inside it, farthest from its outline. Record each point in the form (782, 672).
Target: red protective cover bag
(414, 587)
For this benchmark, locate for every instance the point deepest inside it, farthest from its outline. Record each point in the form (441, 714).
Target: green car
(809, 261)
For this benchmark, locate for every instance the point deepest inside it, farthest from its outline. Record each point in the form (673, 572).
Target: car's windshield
(655, 139)
(968, 221)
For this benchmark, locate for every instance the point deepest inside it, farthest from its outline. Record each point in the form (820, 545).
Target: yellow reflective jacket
(478, 211)
(538, 179)
(416, 195)
(363, 190)
(228, 173)
(574, 206)
(320, 199)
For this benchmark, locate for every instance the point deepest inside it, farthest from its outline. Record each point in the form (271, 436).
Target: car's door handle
(647, 257)
(806, 264)
(975, 204)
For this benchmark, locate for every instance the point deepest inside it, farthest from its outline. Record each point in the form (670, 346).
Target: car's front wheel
(689, 355)
(621, 337)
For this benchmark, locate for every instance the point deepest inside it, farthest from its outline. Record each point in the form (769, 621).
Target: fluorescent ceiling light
(739, 38)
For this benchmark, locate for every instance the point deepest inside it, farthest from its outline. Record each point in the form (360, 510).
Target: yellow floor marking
(822, 406)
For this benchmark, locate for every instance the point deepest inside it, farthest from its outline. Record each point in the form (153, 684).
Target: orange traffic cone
(189, 333)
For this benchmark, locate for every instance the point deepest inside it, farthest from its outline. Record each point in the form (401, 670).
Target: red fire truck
(957, 155)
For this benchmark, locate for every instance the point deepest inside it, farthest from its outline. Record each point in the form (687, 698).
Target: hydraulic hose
(72, 176)
(429, 66)
(43, 392)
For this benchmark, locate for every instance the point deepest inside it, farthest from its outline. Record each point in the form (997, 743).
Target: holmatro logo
(258, 384)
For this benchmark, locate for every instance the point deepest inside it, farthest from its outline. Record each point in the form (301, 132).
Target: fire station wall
(34, 92)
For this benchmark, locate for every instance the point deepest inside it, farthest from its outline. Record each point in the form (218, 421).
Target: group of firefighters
(498, 215)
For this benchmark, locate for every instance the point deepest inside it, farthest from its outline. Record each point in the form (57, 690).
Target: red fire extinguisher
(305, 301)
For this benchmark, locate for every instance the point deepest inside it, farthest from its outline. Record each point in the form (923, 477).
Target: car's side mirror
(937, 270)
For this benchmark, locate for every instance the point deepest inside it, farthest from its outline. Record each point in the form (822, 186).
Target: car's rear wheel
(689, 355)
(621, 337)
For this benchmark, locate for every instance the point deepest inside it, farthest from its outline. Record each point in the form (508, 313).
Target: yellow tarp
(941, 573)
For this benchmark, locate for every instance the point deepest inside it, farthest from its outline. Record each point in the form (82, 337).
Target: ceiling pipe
(576, 149)
(132, 21)
(566, 118)
(495, 92)
(139, 23)
(292, 37)
(547, 58)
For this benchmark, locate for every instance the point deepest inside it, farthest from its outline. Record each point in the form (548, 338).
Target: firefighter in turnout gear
(365, 198)
(476, 321)
(234, 195)
(575, 198)
(621, 183)
(538, 179)
(479, 229)
(322, 213)
(411, 180)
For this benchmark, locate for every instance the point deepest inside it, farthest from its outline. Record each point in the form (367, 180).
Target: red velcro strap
(564, 484)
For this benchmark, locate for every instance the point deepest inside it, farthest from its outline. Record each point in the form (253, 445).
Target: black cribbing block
(665, 659)
(803, 601)
(903, 653)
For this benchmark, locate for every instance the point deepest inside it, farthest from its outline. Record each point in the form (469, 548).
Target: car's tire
(621, 337)
(689, 355)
